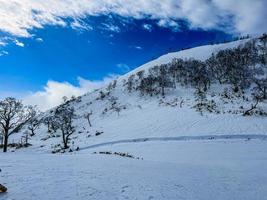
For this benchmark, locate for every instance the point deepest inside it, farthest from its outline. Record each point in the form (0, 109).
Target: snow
(204, 170)
(146, 118)
(150, 117)
(200, 53)
(185, 155)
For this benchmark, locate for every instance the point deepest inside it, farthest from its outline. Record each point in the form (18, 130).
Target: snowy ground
(185, 155)
(203, 169)
(143, 116)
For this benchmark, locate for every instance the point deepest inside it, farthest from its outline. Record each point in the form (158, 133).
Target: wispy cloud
(123, 67)
(52, 93)
(167, 23)
(138, 47)
(148, 27)
(18, 43)
(111, 27)
(79, 25)
(3, 53)
(39, 39)
(2, 43)
(19, 17)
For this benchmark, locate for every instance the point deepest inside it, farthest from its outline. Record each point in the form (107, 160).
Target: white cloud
(18, 17)
(39, 39)
(111, 27)
(249, 16)
(138, 47)
(3, 53)
(53, 92)
(80, 25)
(18, 43)
(123, 67)
(202, 13)
(148, 27)
(167, 23)
(2, 43)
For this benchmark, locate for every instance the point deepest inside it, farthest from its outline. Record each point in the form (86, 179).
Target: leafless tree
(33, 125)
(63, 120)
(65, 99)
(1, 137)
(13, 114)
(253, 107)
(48, 122)
(87, 116)
(130, 83)
(33, 122)
(118, 110)
(263, 48)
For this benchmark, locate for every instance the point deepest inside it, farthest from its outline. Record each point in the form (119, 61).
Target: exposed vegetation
(243, 67)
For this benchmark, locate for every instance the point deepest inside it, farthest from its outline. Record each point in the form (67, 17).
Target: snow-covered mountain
(121, 112)
(181, 130)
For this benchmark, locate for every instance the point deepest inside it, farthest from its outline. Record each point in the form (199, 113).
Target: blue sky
(50, 47)
(63, 53)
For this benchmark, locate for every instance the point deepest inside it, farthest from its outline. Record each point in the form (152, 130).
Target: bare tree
(164, 79)
(33, 125)
(48, 122)
(65, 99)
(118, 110)
(25, 138)
(140, 74)
(263, 48)
(253, 107)
(161, 77)
(87, 116)
(130, 83)
(1, 137)
(201, 100)
(12, 116)
(63, 120)
(261, 88)
(33, 122)
(147, 85)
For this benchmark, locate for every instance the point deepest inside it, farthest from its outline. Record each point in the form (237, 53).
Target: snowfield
(183, 154)
(143, 116)
(190, 170)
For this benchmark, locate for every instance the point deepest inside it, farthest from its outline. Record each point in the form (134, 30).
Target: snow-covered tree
(13, 114)
(33, 122)
(130, 83)
(63, 120)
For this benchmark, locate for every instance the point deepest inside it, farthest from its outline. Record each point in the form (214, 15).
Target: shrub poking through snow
(98, 133)
(127, 155)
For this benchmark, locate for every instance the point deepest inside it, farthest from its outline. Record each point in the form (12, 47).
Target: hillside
(200, 53)
(119, 112)
(188, 125)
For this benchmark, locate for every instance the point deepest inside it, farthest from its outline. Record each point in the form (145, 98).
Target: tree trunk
(5, 142)
(162, 91)
(65, 138)
(66, 144)
(32, 131)
(89, 122)
(253, 107)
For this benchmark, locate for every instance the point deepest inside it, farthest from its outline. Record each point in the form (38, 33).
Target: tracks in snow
(180, 138)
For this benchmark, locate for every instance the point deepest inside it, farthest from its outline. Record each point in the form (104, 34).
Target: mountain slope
(201, 53)
(118, 114)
